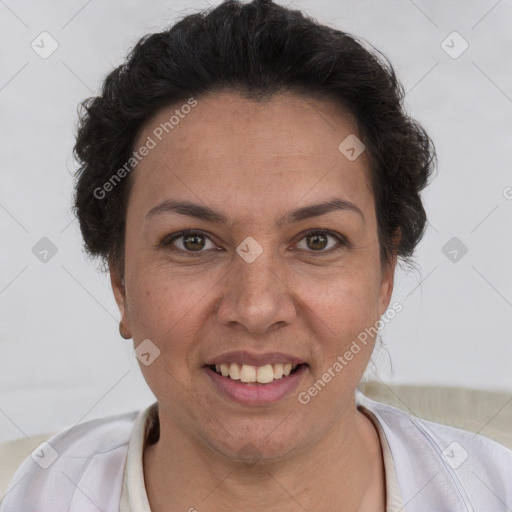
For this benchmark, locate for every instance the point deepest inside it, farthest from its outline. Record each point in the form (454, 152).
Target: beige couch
(484, 412)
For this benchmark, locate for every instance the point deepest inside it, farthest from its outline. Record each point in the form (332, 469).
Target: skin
(254, 162)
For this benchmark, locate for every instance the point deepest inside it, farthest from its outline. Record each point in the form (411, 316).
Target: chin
(270, 444)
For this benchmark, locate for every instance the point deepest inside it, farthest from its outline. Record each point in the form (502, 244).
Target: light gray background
(62, 360)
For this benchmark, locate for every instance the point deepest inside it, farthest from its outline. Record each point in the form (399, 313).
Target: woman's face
(261, 281)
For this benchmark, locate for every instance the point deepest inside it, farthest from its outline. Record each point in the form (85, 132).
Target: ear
(388, 277)
(119, 289)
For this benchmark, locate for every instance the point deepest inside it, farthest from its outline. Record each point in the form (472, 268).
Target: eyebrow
(209, 215)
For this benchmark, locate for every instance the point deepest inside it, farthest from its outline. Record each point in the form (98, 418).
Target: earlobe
(123, 333)
(118, 287)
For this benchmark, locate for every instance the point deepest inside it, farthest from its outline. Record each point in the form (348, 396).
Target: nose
(257, 296)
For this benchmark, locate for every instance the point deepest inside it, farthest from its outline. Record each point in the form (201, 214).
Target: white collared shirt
(97, 464)
(134, 497)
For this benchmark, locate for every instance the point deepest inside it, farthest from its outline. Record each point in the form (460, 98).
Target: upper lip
(254, 359)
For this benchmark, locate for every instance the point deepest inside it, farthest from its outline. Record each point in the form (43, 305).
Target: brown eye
(189, 242)
(193, 242)
(318, 241)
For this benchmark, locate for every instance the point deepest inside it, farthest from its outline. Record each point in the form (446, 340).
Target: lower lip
(255, 394)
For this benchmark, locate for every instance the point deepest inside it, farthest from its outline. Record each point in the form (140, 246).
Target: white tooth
(287, 368)
(278, 370)
(248, 373)
(224, 369)
(234, 371)
(265, 374)
(217, 368)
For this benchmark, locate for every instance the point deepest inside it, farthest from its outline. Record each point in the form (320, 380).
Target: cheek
(171, 311)
(165, 315)
(161, 299)
(342, 311)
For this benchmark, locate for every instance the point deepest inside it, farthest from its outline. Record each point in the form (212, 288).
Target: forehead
(232, 151)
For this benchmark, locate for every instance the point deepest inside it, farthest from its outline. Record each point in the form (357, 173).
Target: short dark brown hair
(256, 49)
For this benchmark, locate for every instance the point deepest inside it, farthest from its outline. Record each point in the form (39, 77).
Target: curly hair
(256, 49)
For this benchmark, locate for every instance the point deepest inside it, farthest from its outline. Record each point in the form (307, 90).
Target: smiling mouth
(250, 374)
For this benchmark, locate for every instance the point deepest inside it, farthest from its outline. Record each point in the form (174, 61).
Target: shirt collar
(146, 431)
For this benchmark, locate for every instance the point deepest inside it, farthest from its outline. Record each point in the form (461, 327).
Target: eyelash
(342, 241)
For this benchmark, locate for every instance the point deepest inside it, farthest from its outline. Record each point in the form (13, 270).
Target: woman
(250, 179)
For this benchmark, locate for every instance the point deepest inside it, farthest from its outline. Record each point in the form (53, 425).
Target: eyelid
(342, 241)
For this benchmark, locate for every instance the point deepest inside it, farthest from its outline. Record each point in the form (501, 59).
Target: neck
(343, 467)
